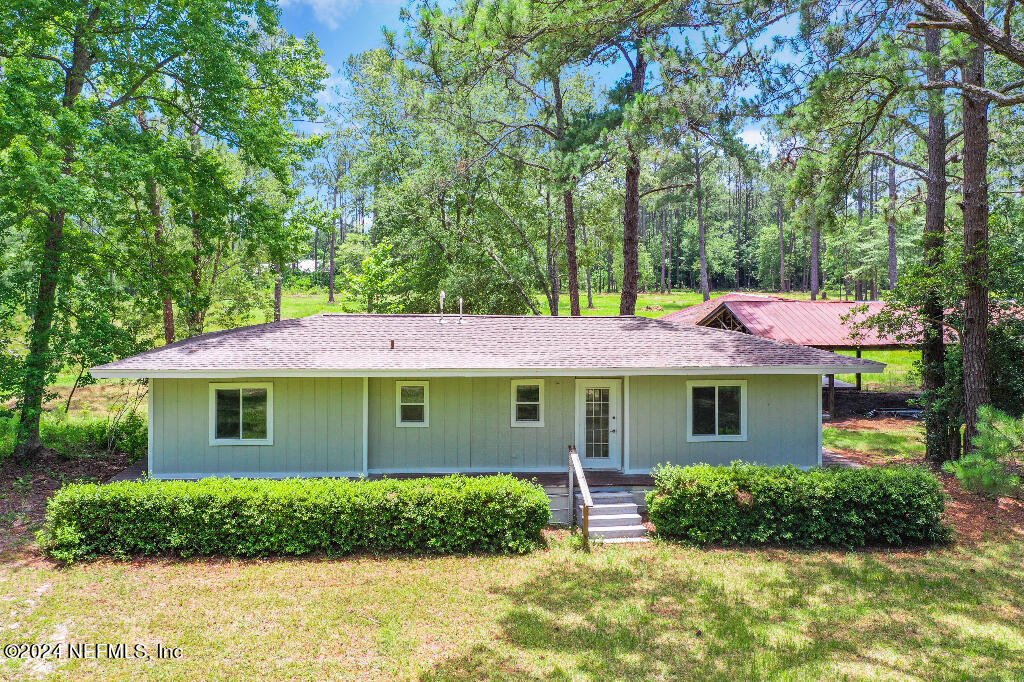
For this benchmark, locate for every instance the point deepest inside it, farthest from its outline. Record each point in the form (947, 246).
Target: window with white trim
(412, 403)
(242, 414)
(716, 410)
(527, 402)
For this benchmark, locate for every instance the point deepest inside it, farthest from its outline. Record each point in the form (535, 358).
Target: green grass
(651, 612)
(891, 443)
(900, 373)
(608, 304)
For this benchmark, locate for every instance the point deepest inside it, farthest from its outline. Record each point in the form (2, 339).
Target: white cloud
(753, 137)
(328, 12)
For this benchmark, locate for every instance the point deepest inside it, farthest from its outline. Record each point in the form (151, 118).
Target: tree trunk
(783, 284)
(333, 246)
(975, 263)
(572, 265)
(671, 248)
(630, 237)
(664, 246)
(815, 254)
(331, 264)
(705, 286)
(38, 360)
(933, 347)
(552, 258)
(571, 262)
(631, 214)
(277, 294)
(158, 240)
(892, 226)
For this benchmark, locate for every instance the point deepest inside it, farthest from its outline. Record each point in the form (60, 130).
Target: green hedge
(245, 517)
(752, 504)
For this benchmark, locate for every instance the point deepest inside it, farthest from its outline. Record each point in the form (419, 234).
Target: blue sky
(343, 27)
(347, 27)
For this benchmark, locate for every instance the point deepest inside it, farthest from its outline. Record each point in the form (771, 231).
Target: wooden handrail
(576, 471)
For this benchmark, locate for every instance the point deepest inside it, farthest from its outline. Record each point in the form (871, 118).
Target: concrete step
(618, 508)
(621, 541)
(602, 520)
(608, 497)
(630, 531)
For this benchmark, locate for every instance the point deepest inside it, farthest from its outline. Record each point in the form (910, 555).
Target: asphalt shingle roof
(351, 343)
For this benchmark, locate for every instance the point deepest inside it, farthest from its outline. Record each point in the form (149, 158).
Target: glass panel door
(599, 422)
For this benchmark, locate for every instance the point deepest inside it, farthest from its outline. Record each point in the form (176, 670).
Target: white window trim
(516, 383)
(269, 440)
(690, 385)
(398, 405)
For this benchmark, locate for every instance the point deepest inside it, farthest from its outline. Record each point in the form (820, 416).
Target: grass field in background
(894, 443)
(647, 305)
(900, 373)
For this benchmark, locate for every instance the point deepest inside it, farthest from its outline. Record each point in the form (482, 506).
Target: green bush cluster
(1000, 439)
(753, 504)
(251, 518)
(82, 436)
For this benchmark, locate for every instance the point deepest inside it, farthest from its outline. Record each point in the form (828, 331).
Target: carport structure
(829, 325)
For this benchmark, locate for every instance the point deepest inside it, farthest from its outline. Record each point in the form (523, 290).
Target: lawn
(900, 372)
(661, 611)
(880, 440)
(647, 304)
(657, 611)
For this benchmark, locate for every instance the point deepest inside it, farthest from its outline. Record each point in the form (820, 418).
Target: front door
(599, 422)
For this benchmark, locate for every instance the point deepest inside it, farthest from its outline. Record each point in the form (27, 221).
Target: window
(241, 414)
(717, 410)
(412, 406)
(528, 402)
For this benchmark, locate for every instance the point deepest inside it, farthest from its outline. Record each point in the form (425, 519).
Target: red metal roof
(695, 314)
(811, 323)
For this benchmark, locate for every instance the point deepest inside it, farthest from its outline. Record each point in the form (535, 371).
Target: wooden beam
(858, 373)
(832, 396)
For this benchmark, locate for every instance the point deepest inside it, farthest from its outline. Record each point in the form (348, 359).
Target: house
(356, 394)
(829, 325)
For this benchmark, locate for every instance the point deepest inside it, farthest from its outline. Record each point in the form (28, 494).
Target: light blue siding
(318, 427)
(317, 431)
(783, 421)
(470, 428)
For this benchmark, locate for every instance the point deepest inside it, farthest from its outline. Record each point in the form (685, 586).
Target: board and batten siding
(783, 422)
(318, 427)
(470, 428)
(318, 431)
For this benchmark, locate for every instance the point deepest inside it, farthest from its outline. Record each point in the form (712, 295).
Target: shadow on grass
(759, 614)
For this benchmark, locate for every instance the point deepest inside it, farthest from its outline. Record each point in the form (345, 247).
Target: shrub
(1000, 438)
(78, 436)
(249, 518)
(753, 504)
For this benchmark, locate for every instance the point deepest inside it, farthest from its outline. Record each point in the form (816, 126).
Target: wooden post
(858, 373)
(586, 528)
(831, 396)
(572, 499)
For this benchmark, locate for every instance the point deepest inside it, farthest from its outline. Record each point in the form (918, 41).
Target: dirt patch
(974, 516)
(24, 490)
(858, 403)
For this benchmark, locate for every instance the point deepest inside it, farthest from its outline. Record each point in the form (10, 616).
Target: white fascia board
(503, 372)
